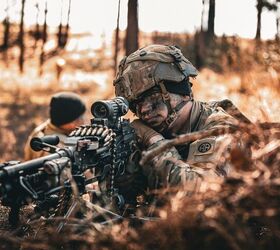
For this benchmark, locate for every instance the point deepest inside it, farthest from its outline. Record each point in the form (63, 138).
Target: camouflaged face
(146, 67)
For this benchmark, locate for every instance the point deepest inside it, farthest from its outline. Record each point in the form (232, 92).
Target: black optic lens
(99, 110)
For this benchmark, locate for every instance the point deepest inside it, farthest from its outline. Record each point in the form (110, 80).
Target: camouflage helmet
(150, 66)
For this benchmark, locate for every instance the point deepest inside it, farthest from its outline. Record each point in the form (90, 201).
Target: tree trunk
(199, 48)
(277, 4)
(6, 24)
(277, 29)
(5, 45)
(211, 20)
(117, 38)
(21, 37)
(131, 40)
(259, 19)
(44, 39)
(66, 33)
(59, 33)
(37, 32)
(63, 30)
(202, 16)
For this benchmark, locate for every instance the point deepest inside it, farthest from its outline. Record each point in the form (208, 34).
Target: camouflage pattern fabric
(148, 66)
(46, 128)
(193, 162)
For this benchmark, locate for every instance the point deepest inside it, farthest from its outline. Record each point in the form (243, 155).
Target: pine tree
(117, 39)
(21, 37)
(6, 24)
(261, 5)
(211, 20)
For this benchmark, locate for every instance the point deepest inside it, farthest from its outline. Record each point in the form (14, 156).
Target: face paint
(152, 109)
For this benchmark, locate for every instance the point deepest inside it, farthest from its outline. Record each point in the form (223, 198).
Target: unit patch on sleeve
(205, 146)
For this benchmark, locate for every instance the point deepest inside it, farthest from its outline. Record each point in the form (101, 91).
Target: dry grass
(241, 212)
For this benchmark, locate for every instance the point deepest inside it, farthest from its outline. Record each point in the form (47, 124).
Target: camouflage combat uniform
(192, 162)
(157, 68)
(46, 128)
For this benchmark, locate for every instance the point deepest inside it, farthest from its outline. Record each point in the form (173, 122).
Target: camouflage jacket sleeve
(207, 158)
(167, 169)
(212, 153)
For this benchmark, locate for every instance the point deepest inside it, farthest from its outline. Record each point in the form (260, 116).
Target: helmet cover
(149, 66)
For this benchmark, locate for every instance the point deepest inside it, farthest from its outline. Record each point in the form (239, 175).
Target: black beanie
(65, 107)
(182, 88)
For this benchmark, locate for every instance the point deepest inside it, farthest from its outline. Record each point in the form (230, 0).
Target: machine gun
(107, 147)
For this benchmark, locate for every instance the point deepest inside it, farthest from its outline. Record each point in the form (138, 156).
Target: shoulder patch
(205, 146)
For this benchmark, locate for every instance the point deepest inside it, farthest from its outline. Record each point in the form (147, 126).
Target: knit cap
(66, 107)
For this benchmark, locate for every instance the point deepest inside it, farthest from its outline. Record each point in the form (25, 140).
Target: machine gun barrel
(33, 164)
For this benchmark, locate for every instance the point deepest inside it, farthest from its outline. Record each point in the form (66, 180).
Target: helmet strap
(172, 113)
(165, 97)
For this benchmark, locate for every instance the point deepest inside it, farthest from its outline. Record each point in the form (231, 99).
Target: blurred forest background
(38, 60)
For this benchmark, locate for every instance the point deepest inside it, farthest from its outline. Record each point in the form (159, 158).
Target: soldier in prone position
(156, 82)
